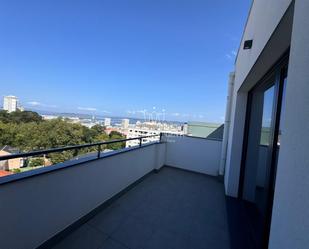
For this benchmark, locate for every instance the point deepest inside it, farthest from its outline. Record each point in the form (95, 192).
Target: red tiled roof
(5, 173)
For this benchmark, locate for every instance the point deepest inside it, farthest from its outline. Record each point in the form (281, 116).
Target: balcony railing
(76, 157)
(74, 147)
(62, 194)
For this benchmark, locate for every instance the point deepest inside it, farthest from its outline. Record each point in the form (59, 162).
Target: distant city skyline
(155, 116)
(121, 59)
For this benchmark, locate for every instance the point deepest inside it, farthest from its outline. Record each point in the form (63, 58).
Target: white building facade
(152, 129)
(125, 123)
(137, 132)
(266, 157)
(10, 103)
(107, 122)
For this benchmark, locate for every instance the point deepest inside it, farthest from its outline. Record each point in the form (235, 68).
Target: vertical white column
(227, 122)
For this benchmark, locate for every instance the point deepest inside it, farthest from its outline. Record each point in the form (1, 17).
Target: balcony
(170, 209)
(160, 195)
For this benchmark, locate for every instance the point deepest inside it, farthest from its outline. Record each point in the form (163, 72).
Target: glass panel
(267, 116)
(258, 163)
(263, 157)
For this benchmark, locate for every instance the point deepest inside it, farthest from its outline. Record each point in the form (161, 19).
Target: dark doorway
(261, 150)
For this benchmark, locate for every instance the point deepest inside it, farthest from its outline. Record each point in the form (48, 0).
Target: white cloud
(231, 55)
(175, 114)
(228, 56)
(34, 103)
(37, 104)
(92, 109)
(131, 112)
(141, 111)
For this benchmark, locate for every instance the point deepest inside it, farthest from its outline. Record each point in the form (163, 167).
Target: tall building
(107, 122)
(10, 103)
(125, 123)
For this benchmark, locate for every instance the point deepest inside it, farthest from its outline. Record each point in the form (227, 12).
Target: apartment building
(10, 103)
(267, 156)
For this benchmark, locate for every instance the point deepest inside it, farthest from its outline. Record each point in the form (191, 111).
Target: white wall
(34, 209)
(264, 17)
(269, 25)
(290, 222)
(195, 154)
(234, 152)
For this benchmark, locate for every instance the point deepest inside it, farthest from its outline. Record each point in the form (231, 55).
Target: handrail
(74, 147)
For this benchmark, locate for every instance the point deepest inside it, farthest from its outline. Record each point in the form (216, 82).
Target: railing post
(99, 150)
(140, 142)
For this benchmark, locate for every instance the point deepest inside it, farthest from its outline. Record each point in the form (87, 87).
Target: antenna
(155, 113)
(163, 110)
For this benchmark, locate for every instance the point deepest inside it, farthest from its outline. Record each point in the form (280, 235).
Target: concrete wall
(265, 16)
(290, 222)
(234, 151)
(274, 25)
(34, 209)
(270, 26)
(195, 154)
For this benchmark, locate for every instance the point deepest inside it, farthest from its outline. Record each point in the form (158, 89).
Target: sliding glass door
(262, 145)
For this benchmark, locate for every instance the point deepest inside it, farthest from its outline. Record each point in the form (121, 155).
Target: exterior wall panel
(264, 17)
(290, 223)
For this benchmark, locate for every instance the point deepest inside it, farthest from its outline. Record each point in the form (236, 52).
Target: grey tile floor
(172, 209)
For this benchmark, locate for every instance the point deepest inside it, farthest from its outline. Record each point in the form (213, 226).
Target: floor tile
(134, 233)
(172, 209)
(109, 220)
(112, 244)
(84, 237)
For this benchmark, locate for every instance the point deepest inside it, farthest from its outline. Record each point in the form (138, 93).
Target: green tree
(114, 135)
(28, 132)
(35, 162)
(60, 157)
(4, 116)
(20, 117)
(97, 129)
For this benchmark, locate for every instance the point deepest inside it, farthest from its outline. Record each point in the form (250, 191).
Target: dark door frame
(279, 71)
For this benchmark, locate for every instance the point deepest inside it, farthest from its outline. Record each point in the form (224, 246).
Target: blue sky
(120, 57)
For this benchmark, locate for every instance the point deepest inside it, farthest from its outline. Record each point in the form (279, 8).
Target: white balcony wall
(194, 154)
(34, 209)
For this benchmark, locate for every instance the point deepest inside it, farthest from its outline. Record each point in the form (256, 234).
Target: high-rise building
(10, 103)
(107, 122)
(125, 123)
